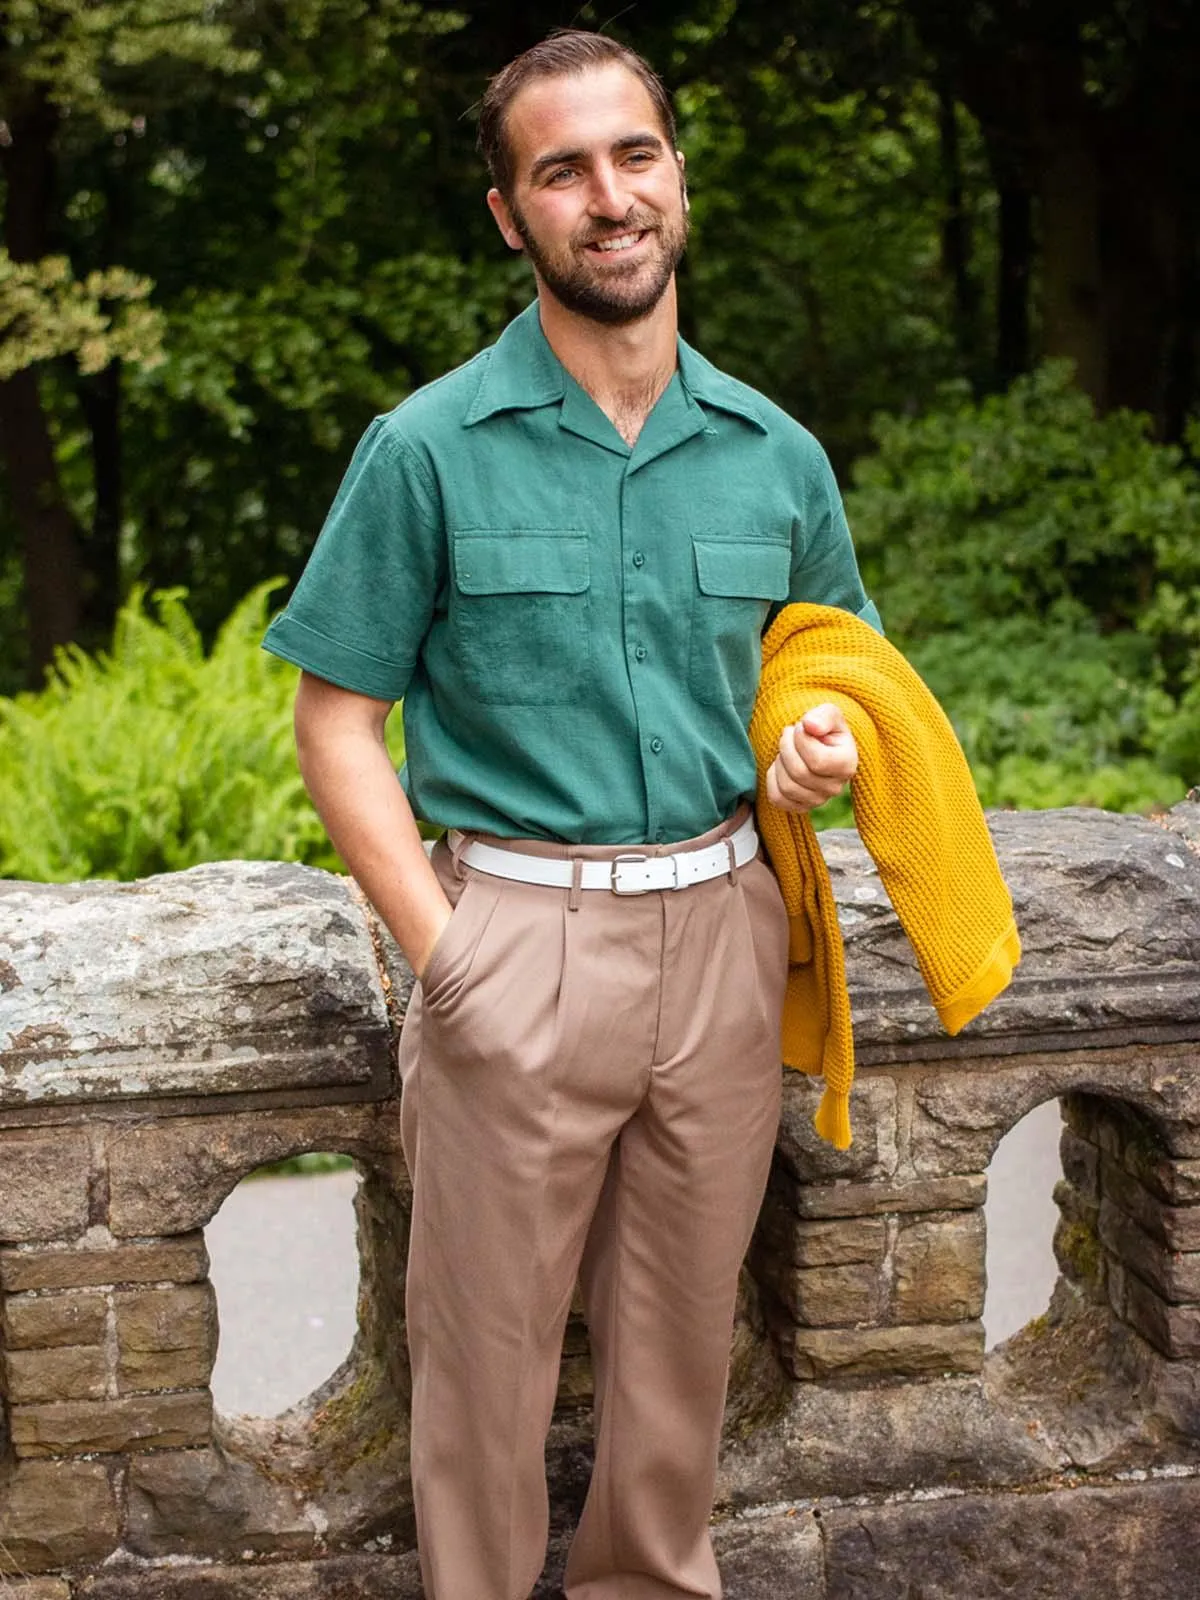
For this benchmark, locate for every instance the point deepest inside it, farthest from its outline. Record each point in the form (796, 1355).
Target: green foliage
(303, 1166)
(1041, 566)
(89, 55)
(156, 755)
(814, 270)
(45, 311)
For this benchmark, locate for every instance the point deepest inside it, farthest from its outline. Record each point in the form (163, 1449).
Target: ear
(498, 206)
(682, 160)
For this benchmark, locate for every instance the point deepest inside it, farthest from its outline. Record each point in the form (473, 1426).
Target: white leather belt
(631, 872)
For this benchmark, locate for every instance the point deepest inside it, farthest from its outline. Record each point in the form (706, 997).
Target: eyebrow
(564, 158)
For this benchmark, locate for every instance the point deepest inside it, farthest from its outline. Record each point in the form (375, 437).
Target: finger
(816, 758)
(824, 721)
(792, 795)
(796, 751)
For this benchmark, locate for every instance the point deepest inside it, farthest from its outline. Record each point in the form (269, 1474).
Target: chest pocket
(520, 615)
(736, 582)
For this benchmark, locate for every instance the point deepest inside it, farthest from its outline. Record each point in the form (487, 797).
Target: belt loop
(575, 895)
(456, 851)
(729, 846)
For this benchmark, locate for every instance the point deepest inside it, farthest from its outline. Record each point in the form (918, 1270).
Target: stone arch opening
(1021, 1216)
(333, 1467)
(284, 1262)
(1129, 1233)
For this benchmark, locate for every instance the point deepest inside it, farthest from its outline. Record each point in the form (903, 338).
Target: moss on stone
(1079, 1252)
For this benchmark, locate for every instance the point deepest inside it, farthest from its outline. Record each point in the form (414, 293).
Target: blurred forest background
(958, 241)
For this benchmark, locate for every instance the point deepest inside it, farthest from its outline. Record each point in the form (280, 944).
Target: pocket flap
(740, 569)
(521, 563)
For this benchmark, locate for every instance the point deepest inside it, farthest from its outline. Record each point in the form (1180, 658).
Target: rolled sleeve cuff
(336, 662)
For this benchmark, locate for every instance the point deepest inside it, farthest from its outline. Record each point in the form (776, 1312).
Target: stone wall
(161, 1040)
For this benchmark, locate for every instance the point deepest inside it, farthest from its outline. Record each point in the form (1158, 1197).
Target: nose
(608, 196)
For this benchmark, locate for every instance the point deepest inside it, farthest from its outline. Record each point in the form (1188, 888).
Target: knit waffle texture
(918, 816)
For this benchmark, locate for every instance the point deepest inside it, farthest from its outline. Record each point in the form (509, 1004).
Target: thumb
(824, 722)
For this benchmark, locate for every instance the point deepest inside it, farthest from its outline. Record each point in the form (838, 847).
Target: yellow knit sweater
(918, 815)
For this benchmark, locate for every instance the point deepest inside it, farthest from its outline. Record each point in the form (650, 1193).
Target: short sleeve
(824, 567)
(365, 600)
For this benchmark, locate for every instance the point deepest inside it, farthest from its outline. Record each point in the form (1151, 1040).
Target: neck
(623, 368)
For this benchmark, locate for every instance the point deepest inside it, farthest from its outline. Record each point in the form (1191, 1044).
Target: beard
(609, 294)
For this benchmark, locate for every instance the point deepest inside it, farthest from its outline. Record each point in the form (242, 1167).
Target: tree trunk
(956, 232)
(100, 400)
(1069, 190)
(49, 532)
(1013, 268)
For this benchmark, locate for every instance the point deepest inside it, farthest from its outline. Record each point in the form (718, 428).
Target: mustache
(634, 221)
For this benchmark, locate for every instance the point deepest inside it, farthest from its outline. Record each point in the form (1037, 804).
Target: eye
(561, 174)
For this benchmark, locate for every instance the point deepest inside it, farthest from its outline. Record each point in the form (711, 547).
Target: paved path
(285, 1267)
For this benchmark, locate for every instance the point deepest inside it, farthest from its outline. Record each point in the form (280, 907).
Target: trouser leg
(521, 1059)
(660, 1270)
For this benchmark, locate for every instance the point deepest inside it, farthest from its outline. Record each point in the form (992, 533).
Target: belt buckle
(631, 858)
(639, 858)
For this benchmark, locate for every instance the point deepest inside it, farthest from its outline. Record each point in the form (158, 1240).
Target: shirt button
(639, 560)
(656, 745)
(640, 652)
(660, 836)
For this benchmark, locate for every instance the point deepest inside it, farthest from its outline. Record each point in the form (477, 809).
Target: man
(562, 556)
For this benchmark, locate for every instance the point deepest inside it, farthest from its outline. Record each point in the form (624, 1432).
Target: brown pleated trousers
(591, 1088)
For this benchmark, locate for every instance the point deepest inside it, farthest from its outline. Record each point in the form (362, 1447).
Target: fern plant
(157, 755)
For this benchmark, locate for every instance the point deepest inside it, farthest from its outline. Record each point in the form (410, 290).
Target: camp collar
(521, 373)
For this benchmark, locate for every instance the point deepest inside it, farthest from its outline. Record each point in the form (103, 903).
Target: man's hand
(817, 756)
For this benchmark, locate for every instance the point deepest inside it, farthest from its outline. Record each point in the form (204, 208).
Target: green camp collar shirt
(573, 623)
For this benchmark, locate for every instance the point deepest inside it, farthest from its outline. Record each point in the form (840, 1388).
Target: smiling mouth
(618, 243)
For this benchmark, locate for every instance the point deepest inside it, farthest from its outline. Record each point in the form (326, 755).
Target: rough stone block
(182, 1260)
(1137, 1251)
(44, 1175)
(1077, 1247)
(838, 1242)
(56, 1514)
(771, 1558)
(102, 1427)
(1178, 1227)
(873, 1154)
(833, 1297)
(1178, 1182)
(814, 1353)
(360, 1575)
(69, 1373)
(226, 978)
(208, 1503)
(1116, 1280)
(962, 1192)
(960, 1117)
(939, 1270)
(1066, 1544)
(38, 1321)
(166, 1338)
(1080, 1163)
(1175, 1274)
(1173, 1330)
(171, 1176)
(1082, 1113)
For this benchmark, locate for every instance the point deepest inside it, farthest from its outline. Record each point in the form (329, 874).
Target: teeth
(621, 242)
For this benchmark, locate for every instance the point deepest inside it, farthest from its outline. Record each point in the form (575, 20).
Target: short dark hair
(566, 52)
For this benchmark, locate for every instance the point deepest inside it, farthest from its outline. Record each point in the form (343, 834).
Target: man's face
(598, 200)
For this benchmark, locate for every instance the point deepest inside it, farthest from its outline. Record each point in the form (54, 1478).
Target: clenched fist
(817, 756)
